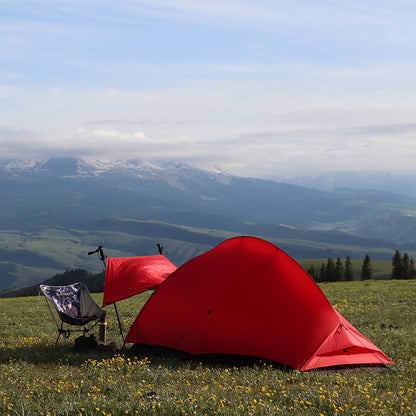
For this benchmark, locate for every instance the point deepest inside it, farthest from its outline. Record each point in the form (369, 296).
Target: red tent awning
(128, 276)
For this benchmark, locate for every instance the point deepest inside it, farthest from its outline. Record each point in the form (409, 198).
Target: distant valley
(52, 212)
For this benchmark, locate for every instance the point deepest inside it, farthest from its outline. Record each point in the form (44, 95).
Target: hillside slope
(58, 210)
(66, 192)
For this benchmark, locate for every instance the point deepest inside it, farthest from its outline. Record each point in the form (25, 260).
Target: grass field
(39, 378)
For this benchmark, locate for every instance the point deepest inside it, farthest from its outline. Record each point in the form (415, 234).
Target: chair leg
(61, 331)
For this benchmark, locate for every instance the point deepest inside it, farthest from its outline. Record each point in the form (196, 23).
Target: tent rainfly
(246, 297)
(128, 276)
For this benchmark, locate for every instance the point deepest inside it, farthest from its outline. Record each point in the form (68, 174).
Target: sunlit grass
(39, 378)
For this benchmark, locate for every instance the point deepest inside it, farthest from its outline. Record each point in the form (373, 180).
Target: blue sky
(264, 88)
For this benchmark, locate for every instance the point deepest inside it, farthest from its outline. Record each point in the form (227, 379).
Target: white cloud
(253, 87)
(331, 119)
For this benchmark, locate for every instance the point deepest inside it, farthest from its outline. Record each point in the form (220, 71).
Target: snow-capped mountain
(73, 187)
(122, 173)
(401, 184)
(80, 168)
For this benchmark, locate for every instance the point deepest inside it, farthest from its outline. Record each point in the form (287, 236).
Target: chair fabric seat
(74, 305)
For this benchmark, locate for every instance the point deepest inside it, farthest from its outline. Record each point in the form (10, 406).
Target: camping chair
(75, 306)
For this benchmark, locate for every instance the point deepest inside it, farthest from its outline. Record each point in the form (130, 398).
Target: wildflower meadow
(38, 377)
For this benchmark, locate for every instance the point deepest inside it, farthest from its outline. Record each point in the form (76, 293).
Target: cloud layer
(259, 89)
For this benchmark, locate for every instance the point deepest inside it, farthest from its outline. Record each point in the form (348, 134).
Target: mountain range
(52, 212)
(398, 183)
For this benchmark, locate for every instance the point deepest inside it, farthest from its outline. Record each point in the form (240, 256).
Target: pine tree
(349, 274)
(366, 270)
(405, 266)
(322, 274)
(312, 273)
(330, 270)
(339, 270)
(397, 266)
(412, 271)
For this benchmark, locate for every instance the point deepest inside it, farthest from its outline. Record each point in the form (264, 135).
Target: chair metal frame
(69, 319)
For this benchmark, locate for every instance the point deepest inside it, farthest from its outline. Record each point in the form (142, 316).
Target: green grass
(39, 378)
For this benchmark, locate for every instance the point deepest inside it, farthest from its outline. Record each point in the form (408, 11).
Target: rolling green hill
(53, 250)
(56, 211)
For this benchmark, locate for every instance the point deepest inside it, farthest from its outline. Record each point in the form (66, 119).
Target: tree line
(403, 267)
(94, 282)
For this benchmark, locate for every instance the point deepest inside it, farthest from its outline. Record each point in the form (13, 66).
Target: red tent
(248, 297)
(128, 276)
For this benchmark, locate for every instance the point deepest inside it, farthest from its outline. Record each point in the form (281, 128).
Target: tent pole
(119, 325)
